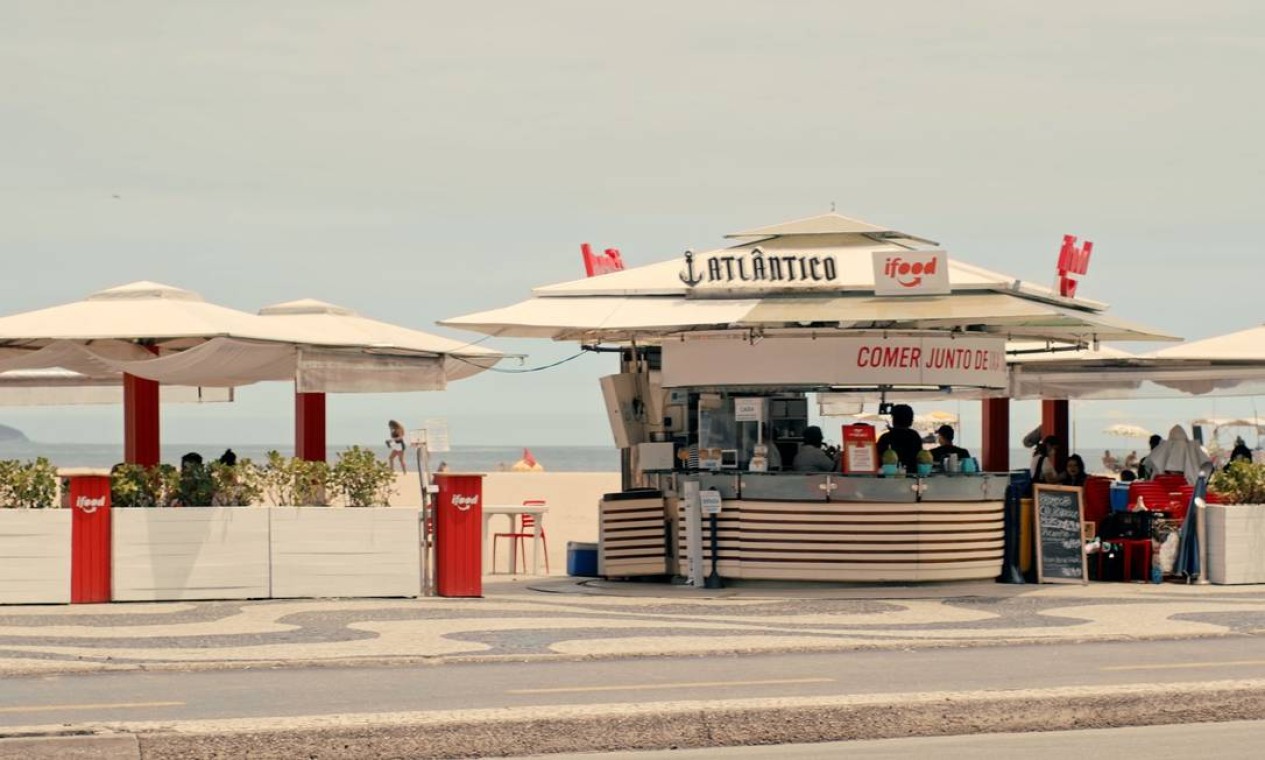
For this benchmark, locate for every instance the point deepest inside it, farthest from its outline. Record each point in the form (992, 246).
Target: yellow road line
(102, 706)
(679, 685)
(1185, 665)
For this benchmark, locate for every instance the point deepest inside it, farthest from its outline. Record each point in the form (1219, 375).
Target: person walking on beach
(396, 446)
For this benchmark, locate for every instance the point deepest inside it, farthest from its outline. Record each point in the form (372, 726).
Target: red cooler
(459, 535)
(89, 497)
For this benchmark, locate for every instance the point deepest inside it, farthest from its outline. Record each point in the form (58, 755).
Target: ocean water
(460, 459)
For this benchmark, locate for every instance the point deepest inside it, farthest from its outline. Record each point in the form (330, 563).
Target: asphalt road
(1225, 741)
(71, 699)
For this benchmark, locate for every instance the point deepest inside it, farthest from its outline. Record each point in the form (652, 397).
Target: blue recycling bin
(1119, 497)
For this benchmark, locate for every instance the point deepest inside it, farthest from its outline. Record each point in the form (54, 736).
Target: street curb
(82, 668)
(544, 730)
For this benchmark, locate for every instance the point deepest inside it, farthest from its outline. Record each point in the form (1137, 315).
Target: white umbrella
(1125, 430)
(389, 358)
(318, 324)
(122, 324)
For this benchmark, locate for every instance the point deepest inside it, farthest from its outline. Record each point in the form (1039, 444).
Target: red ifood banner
(860, 449)
(600, 263)
(1073, 259)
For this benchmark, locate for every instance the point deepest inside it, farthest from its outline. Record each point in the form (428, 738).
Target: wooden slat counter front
(860, 529)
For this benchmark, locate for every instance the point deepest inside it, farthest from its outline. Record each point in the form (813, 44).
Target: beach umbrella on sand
(1125, 430)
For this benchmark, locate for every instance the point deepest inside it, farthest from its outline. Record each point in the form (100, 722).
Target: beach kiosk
(720, 352)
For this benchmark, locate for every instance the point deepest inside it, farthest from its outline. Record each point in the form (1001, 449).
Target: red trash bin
(90, 536)
(459, 535)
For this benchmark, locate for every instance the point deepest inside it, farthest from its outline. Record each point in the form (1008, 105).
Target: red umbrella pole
(140, 421)
(309, 426)
(996, 435)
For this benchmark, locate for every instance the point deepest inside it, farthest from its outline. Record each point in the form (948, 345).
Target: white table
(512, 511)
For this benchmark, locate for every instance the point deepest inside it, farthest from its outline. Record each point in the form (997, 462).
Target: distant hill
(8, 434)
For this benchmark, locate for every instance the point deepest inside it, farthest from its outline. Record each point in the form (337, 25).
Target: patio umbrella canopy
(147, 332)
(113, 330)
(1225, 365)
(391, 358)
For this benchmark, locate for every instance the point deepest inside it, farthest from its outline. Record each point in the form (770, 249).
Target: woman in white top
(1043, 468)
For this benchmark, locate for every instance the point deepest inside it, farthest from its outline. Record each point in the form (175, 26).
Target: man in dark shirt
(944, 434)
(902, 438)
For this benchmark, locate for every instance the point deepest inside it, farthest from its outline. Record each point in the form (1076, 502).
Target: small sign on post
(748, 409)
(710, 502)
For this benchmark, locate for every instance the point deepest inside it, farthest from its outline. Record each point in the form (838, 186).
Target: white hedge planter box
(1236, 543)
(366, 551)
(190, 553)
(35, 556)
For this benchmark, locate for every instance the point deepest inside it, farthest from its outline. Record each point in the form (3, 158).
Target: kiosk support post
(713, 578)
(693, 533)
(1010, 572)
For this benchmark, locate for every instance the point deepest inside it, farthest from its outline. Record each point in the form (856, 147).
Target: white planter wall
(1236, 543)
(190, 553)
(35, 556)
(371, 551)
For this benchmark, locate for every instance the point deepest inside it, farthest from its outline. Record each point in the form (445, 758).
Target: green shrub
(236, 485)
(289, 481)
(29, 485)
(1243, 482)
(196, 487)
(362, 478)
(134, 485)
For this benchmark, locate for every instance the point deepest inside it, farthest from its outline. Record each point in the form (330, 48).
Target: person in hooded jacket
(1178, 454)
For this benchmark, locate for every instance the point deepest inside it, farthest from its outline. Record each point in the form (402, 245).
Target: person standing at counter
(810, 457)
(944, 436)
(1043, 468)
(902, 438)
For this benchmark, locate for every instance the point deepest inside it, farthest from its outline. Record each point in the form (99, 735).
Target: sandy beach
(572, 498)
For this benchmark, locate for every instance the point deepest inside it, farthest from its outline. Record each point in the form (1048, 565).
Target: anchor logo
(689, 276)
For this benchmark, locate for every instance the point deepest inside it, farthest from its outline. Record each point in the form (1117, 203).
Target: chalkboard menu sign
(1060, 545)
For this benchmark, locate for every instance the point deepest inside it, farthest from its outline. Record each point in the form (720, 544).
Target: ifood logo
(909, 274)
(463, 503)
(89, 504)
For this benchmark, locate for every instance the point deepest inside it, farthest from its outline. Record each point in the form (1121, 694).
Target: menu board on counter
(860, 452)
(1060, 543)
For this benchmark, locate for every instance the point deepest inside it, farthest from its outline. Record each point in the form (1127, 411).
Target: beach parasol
(1126, 430)
(123, 324)
(342, 351)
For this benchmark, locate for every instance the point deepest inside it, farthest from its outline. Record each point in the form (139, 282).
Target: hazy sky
(417, 160)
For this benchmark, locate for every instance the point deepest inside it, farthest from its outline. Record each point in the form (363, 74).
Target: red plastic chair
(526, 529)
(1097, 498)
(1154, 495)
(1171, 481)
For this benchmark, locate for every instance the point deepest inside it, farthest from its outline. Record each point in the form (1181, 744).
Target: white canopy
(189, 342)
(1226, 365)
(316, 323)
(1241, 346)
(652, 302)
(139, 312)
(60, 387)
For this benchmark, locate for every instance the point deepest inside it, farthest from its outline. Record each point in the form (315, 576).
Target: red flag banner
(601, 263)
